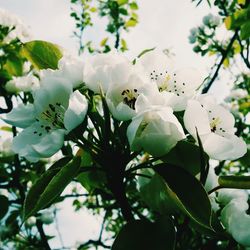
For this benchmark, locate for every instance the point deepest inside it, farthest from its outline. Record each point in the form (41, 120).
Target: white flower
(22, 83)
(70, 69)
(155, 130)
(55, 112)
(126, 99)
(215, 126)
(211, 20)
(226, 195)
(177, 85)
(234, 215)
(103, 69)
(19, 30)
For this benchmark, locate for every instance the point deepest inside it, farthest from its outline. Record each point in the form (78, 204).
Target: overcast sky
(162, 24)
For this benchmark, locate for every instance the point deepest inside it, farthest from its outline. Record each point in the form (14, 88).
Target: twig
(44, 240)
(224, 56)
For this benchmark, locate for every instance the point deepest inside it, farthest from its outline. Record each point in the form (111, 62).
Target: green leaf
(131, 23)
(123, 11)
(143, 235)
(245, 30)
(234, 181)
(243, 2)
(92, 179)
(156, 195)
(41, 54)
(187, 193)
(103, 42)
(144, 52)
(6, 128)
(124, 45)
(122, 2)
(133, 6)
(4, 206)
(14, 65)
(185, 155)
(44, 190)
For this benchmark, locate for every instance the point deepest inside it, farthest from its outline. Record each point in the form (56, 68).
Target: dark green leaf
(41, 54)
(32, 202)
(145, 235)
(4, 206)
(185, 155)
(155, 195)
(187, 192)
(92, 179)
(245, 30)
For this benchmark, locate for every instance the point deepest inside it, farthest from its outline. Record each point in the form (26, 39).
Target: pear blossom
(55, 112)
(178, 85)
(234, 214)
(215, 126)
(19, 30)
(70, 68)
(103, 69)
(22, 83)
(127, 99)
(155, 131)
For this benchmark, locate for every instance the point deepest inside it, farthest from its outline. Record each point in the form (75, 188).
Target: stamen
(130, 97)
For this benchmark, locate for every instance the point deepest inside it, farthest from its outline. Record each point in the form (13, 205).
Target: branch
(224, 55)
(9, 105)
(44, 240)
(93, 242)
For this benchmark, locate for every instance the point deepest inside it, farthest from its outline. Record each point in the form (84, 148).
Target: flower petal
(33, 147)
(196, 117)
(223, 148)
(21, 116)
(76, 112)
(53, 89)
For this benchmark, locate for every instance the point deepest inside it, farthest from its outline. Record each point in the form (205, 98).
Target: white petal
(53, 89)
(50, 143)
(71, 69)
(237, 221)
(227, 194)
(191, 77)
(225, 117)
(33, 147)
(223, 148)
(101, 70)
(21, 116)
(76, 112)
(196, 117)
(156, 131)
(212, 179)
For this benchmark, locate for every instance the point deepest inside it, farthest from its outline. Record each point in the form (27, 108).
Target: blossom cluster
(16, 27)
(160, 102)
(233, 206)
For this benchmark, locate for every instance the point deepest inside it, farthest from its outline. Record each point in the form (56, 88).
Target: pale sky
(162, 24)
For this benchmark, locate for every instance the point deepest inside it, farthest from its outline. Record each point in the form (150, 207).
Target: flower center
(168, 82)
(51, 118)
(129, 97)
(214, 124)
